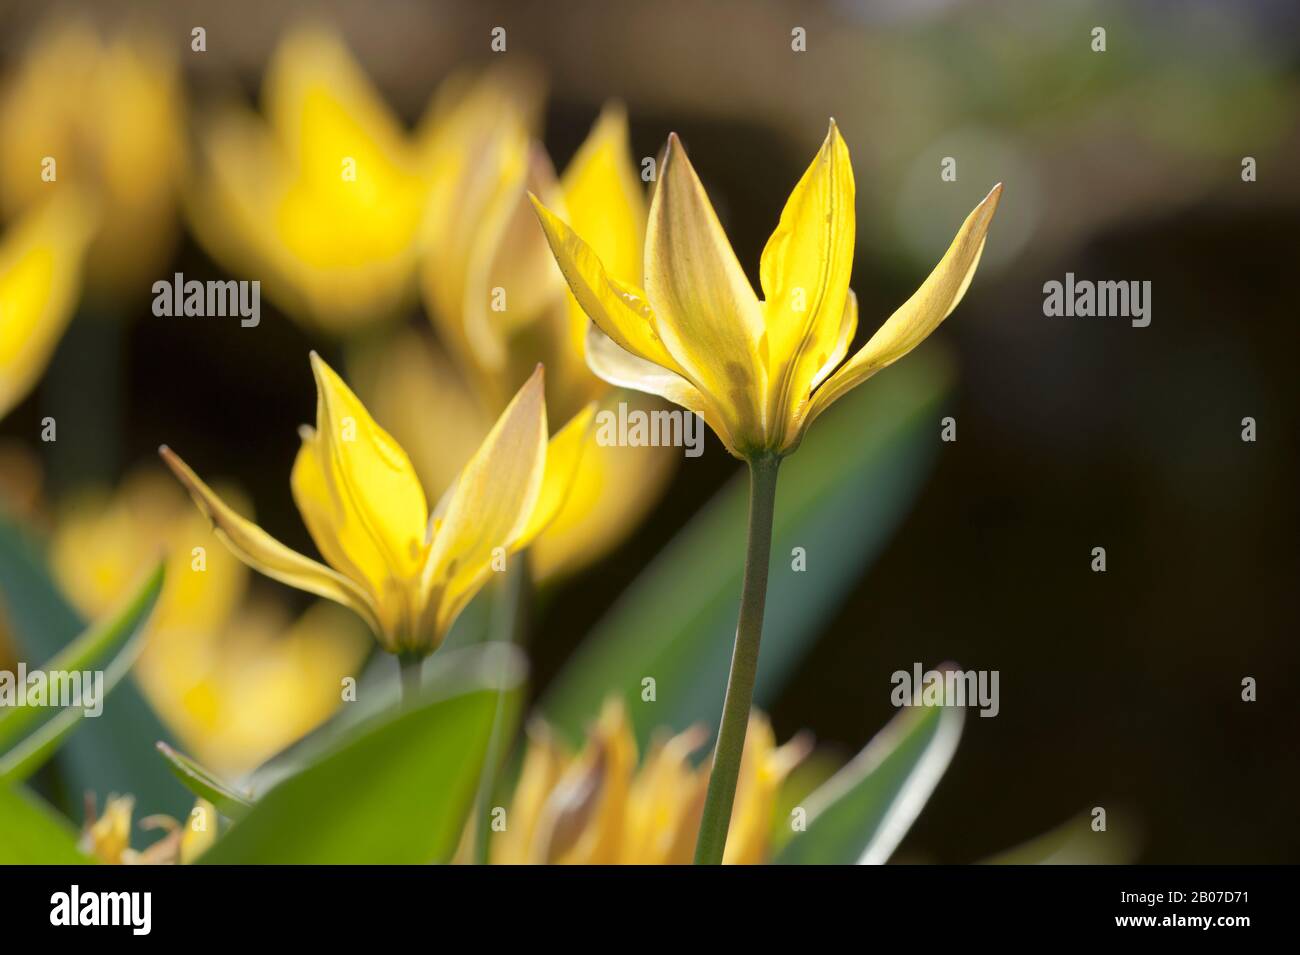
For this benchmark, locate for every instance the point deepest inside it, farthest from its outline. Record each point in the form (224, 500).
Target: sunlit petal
(264, 553)
(921, 314)
(805, 277)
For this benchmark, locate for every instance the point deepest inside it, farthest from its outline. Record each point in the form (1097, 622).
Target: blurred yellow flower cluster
(600, 806)
(235, 677)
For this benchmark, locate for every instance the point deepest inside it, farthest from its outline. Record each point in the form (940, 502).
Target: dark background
(1119, 689)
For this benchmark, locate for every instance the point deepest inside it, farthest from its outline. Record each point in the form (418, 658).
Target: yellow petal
(564, 452)
(489, 508)
(763, 767)
(805, 276)
(544, 762)
(40, 280)
(377, 506)
(265, 554)
(604, 199)
(919, 315)
(620, 311)
(705, 310)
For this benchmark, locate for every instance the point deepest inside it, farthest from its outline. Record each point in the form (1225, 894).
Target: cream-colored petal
(626, 370)
(705, 310)
(40, 281)
(265, 554)
(805, 277)
(920, 315)
(491, 505)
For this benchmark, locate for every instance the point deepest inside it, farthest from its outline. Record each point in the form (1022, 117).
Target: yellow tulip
(325, 198)
(406, 571)
(759, 372)
(236, 679)
(40, 282)
(500, 306)
(599, 807)
(105, 116)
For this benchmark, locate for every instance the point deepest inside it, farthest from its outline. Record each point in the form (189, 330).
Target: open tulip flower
(406, 571)
(324, 196)
(758, 371)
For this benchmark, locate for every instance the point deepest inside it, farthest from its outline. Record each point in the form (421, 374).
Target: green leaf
(205, 784)
(86, 653)
(839, 498)
(1074, 842)
(398, 789)
(113, 753)
(31, 833)
(862, 813)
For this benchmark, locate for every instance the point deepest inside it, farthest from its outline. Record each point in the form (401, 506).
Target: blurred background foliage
(1120, 690)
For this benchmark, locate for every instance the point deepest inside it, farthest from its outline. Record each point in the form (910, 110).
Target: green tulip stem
(716, 820)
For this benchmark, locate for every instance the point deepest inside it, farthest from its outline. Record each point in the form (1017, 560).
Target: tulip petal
(40, 277)
(805, 275)
(379, 510)
(604, 200)
(265, 554)
(620, 311)
(705, 309)
(564, 452)
(626, 370)
(920, 315)
(490, 506)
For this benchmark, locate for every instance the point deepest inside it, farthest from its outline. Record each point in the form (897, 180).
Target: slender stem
(507, 627)
(744, 666)
(410, 665)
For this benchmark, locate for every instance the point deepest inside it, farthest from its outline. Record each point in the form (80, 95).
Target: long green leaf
(205, 784)
(862, 813)
(839, 498)
(86, 653)
(31, 833)
(397, 790)
(113, 753)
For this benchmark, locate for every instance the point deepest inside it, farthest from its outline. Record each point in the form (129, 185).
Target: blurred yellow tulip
(107, 117)
(759, 372)
(107, 837)
(500, 306)
(323, 198)
(407, 571)
(236, 679)
(40, 282)
(599, 807)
